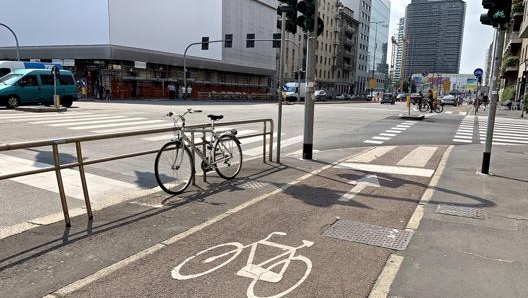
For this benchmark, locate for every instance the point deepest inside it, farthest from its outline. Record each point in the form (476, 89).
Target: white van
(291, 89)
(9, 66)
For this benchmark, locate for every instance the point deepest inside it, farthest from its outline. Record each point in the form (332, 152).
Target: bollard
(56, 101)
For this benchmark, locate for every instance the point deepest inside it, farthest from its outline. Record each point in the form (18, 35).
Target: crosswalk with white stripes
(506, 131)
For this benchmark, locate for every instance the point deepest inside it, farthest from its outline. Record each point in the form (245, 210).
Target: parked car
(400, 97)
(343, 96)
(37, 86)
(320, 95)
(449, 99)
(388, 98)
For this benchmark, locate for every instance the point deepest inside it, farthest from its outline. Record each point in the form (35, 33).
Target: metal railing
(267, 129)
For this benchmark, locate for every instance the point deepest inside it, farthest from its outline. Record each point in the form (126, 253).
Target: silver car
(449, 99)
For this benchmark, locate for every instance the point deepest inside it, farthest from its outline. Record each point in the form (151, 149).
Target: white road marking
(387, 134)
(371, 154)
(101, 120)
(381, 138)
(136, 124)
(284, 143)
(393, 131)
(373, 142)
(367, 180)
(33, 116)
(409, 171)
(418, 157)
(129, 128)
(100, 186)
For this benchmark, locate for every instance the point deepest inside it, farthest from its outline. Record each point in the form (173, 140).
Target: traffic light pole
(185, 62)
(310, 88)
(497, 53)
(281, 82)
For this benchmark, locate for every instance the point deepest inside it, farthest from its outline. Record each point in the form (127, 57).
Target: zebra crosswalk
(506, 131)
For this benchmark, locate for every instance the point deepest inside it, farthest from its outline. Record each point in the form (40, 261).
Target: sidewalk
(480, 250)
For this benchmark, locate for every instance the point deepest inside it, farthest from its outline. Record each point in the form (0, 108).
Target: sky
(477, 37)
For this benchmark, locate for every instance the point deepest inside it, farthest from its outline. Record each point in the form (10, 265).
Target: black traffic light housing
(205, 43)
(276, 40)
(228, 41)
(291, 15)
(307, 20)
(250, 40)
(499, 13)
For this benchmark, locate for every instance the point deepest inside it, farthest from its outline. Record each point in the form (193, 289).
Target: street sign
(478, 72)
(372, 83)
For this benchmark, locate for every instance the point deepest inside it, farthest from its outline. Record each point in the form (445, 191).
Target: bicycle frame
(207, 154)
(258, 271)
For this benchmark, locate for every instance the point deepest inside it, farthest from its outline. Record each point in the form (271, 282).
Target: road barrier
(267, 129)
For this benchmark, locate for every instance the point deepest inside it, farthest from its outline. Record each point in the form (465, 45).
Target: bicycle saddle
(215, 117)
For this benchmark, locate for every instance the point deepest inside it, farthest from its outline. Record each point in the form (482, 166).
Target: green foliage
(517, 6)
(508, 93)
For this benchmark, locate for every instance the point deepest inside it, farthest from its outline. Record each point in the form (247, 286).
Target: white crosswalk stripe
(390, 133)
(505, 131)
(464, 134)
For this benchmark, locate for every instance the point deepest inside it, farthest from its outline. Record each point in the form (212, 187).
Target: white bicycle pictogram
(257, 272)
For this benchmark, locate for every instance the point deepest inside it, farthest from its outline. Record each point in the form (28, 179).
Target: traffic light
(307, 20)
(291, 15)
(276, 40)
(498, 14)
(205, 43)
(250, 40)
(228, 41)
(55, 71)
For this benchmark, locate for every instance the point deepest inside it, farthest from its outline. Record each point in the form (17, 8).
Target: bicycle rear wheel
(174, 167)
(439, 108)
(227, 156)
(423, 107)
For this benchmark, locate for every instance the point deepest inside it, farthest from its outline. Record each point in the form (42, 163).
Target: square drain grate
(369, 234)
(461, 211)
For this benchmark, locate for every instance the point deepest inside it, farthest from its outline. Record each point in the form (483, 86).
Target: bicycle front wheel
(227, 156)
(174, 167)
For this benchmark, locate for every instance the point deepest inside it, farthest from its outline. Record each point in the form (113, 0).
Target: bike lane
(290, 224)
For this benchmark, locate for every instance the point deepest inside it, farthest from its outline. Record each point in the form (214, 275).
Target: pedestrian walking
(107, 95)
(172, 90)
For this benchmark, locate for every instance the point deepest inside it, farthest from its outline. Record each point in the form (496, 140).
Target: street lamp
(16, 40)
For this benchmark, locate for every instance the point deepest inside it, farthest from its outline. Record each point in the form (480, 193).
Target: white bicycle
(257, 272)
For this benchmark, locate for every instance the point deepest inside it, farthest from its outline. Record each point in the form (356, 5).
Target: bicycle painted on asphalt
(257, 272)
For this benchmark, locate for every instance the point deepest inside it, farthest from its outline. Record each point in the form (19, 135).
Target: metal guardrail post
(264, 143)
(83, 180)
(64, 204)
(57, 167)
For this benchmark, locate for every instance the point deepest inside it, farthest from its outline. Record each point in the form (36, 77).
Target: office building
(433, 36)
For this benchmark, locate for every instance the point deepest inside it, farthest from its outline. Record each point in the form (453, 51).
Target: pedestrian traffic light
(498, 14)
(276, 40)
(205, 43)
(291, 15)
(307, 20)
(55, 71)
(228, 41)
(250, 40)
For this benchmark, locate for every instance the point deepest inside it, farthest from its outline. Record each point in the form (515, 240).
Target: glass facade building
(378, 41)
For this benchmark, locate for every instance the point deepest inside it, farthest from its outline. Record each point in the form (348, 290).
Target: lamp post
(394, 44)
(16, 40)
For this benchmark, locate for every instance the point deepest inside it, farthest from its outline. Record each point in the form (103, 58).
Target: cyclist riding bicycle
(430, 100)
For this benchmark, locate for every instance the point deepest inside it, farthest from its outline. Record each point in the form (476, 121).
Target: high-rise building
(398, 60)
(378, 42)
(433, 36)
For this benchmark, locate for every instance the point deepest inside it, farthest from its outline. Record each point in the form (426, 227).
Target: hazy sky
(477, 37)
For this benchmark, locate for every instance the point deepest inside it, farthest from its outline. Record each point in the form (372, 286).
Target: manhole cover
(369, 234)
(460, 211)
